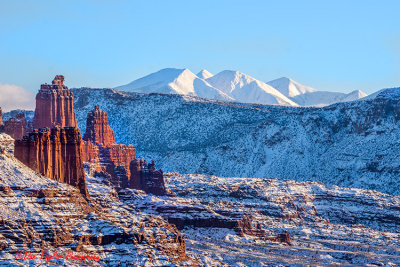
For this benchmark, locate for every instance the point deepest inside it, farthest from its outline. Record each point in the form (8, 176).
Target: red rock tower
(54, 105)
(97, 129)
(55, 153)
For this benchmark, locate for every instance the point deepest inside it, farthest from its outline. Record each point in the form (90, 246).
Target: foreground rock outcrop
(54, 105)
(55, 153)
(40, 215)
(16, 127)
(118, 160)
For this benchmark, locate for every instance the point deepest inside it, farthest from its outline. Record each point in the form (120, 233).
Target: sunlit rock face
(54, 105)
(55, 153)
(98, 131)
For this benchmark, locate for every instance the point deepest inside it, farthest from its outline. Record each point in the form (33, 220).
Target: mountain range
(229, 85)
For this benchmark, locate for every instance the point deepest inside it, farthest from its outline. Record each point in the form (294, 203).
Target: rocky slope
(352, 144)
(259, 222)
(39, 214)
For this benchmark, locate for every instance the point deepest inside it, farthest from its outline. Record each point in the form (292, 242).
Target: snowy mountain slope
(328, 225)
(289, 87)
(204, 74)
(246, 89)
(39, 214)
(353, 144)
(307, 96)
(174, 81)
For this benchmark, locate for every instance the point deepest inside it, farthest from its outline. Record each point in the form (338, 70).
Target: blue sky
(329, 45)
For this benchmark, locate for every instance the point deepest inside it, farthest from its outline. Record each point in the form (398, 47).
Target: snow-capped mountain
(175, 81)
(226, 85)
(352, 144)
(307, 96)
(204, 74)
(289, 87)
(246, 89)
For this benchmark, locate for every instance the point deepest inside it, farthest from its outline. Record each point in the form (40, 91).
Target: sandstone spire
(97, 129)
(54, 105)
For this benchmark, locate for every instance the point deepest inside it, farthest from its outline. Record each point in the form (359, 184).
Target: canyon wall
(54, 105)
(55, 153)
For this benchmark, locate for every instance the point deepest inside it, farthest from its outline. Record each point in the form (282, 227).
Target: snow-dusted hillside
(39, 214)
(354, 144)
(328, 225)
(307, 96)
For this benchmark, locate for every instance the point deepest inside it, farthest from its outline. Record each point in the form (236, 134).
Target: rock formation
(54, 153)
(1, 120)
(54, 105)
(146, 177)
(98, 131)
(118, 160)
(16, 127)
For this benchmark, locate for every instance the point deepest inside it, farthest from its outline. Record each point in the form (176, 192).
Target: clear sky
(329, 45)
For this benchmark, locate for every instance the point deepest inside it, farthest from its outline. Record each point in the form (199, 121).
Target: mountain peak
(289, 87)
(204, 74)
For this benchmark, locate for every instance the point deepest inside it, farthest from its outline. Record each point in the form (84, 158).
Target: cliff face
(54, 153)
(16, 127)
(118, 160)
(146, 177)
(1, 117)
(54, 105)
(98, 131)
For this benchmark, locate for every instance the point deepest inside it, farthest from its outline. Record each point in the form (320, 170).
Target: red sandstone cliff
(54, 105)
(146, 177)
(1, 117)
(16, 127)
(54, 153)
(97, 129)
(1, 121)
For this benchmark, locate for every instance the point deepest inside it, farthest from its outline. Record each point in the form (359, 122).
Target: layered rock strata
(55, 153)
(16, 127)
(54, 105)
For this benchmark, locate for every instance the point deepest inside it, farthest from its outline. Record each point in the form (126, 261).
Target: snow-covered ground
(328, 225)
